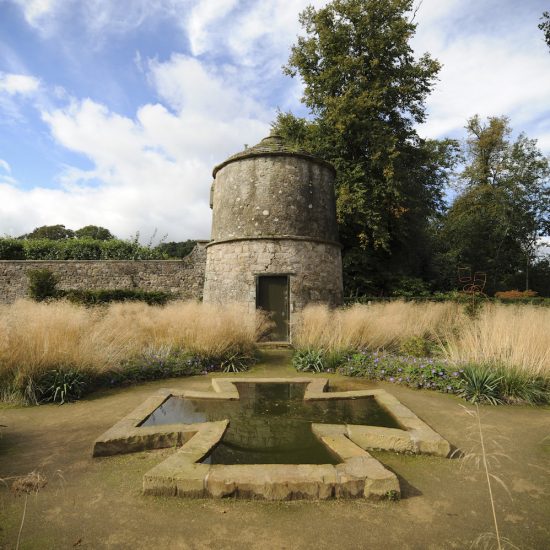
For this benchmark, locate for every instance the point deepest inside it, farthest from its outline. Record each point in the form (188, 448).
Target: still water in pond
(271, 422)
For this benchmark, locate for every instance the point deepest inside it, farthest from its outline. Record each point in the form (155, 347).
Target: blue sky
(114, 113)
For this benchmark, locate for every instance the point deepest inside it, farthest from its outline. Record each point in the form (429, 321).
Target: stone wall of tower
(314, 269)
(274, 196)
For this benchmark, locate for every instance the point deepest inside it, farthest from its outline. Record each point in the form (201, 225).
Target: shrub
(235, 362)
(157, 363)
(408, 371)
(518, 386)
(11, 249)
(105, 296)
(481, 384)
(61, 386)
(309, 360)
(417, 346)
(44, 249)
(410, 287)
(42, 284)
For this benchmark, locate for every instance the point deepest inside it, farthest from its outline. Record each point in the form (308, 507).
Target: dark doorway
(272, 296)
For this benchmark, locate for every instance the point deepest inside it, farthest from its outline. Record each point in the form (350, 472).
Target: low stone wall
(182, 277)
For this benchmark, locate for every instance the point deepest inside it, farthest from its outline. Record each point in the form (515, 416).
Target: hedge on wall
(76, 249)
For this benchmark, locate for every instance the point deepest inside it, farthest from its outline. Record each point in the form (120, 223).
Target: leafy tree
(366, 92)
(544, 26)
(52, 232)
(95, 232)
(497, 222)
(176, 249)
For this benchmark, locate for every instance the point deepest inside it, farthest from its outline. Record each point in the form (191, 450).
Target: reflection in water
(271, 422)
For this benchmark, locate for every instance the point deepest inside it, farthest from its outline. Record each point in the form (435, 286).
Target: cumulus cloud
(151, 171)
(36, 10)
(152, 168)
(12, 84)
(490, 70)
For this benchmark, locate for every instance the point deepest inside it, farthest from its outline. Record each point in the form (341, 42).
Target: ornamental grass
(36, 338)
(502, 336)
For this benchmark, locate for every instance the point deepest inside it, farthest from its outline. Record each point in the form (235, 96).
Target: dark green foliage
(393, 495)
(475, 383)
(170, 363)
(366, 92)
(61, 386)
(416, 346)
(176, 249)
(482, 384)
(77, 249)
(517, 386)
(544, 26)
(235, 362)
(496, 223)
(409, 287)
(473, 306)
(42, 284)
(104, 296)
(94, 232)
(309, 360)
(65, 384)
(52, 232)
(11, 249)
(435, 374)
(158, 364)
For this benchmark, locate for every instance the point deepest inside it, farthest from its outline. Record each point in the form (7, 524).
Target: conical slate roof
(273, 145)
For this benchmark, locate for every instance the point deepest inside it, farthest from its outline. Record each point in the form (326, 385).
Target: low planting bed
(494, 384)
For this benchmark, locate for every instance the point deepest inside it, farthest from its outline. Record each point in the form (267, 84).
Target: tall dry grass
(36, 337)
(510, 336)
(376, 326)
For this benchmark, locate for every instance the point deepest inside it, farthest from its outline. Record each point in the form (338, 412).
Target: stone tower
(274, 234)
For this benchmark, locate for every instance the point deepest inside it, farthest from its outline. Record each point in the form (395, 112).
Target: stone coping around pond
(357, 475)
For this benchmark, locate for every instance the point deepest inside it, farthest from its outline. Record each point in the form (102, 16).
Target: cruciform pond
(270, 423)
(277, 439)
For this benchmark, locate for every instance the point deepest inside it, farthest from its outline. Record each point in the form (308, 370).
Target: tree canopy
(497, 221)
(366, 91)
(52, 232)
(94, 232)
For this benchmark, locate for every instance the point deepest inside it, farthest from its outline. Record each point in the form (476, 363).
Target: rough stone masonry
(274, 214)
(183, 278)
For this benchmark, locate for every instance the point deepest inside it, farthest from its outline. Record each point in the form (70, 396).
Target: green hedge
(104, 296)
(76, 249)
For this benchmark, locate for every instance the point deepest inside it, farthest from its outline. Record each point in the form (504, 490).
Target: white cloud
(12, 84)
(149, 171)
(489, 76)
(203, 15)
(36, 10)
(501, 68)
(5, 166)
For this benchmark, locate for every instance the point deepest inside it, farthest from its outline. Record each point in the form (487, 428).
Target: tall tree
(497, 222)
(366, 92)
(94, 232)
(52, 232)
